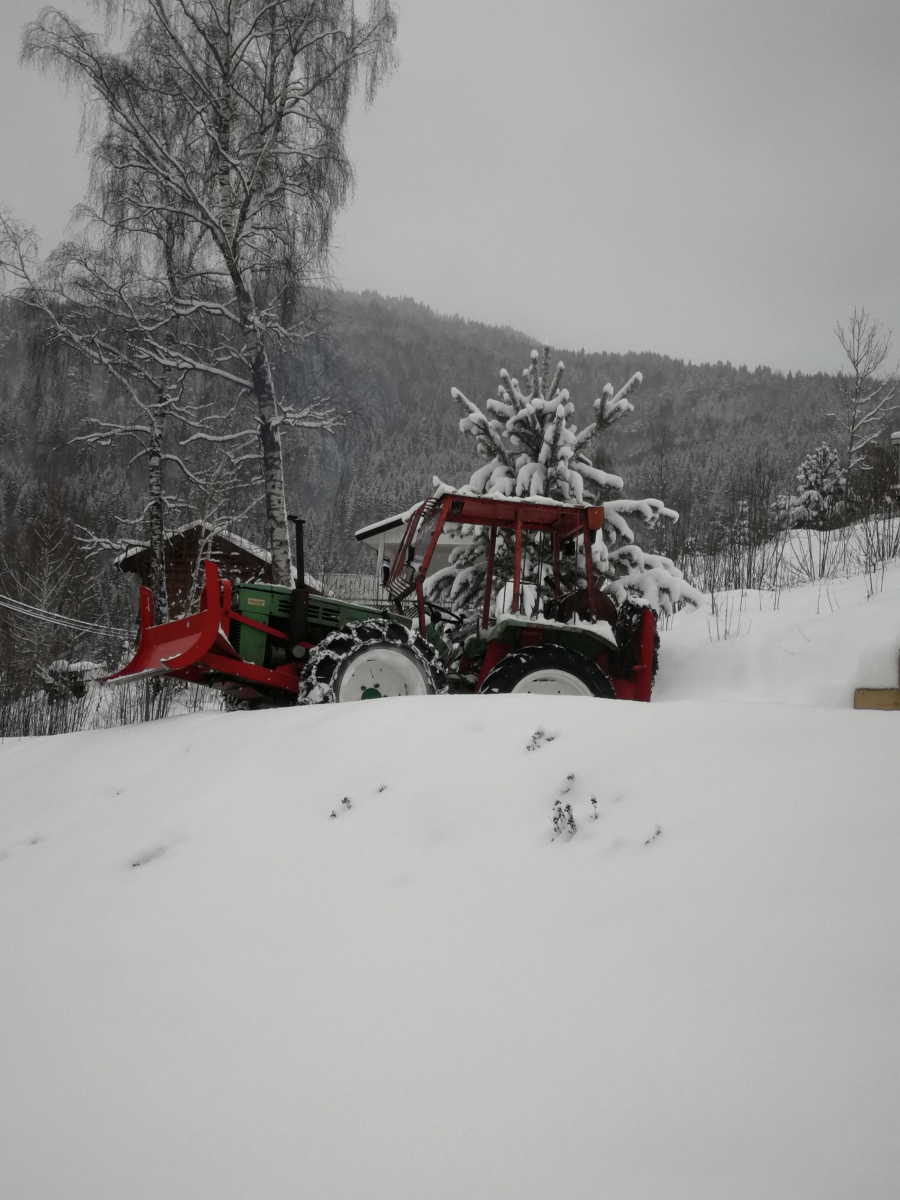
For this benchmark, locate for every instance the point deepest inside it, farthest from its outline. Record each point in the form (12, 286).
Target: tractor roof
(537, 513)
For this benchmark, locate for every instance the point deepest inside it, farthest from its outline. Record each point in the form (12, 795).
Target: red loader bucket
(178, 647)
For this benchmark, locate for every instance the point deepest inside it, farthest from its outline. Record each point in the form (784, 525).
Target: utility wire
(41, 614)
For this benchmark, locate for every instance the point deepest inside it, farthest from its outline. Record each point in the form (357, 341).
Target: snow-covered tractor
(263, 644)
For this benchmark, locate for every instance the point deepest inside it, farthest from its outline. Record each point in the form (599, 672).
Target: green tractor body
(270, 605)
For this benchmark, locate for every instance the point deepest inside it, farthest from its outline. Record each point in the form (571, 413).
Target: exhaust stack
(300, 597)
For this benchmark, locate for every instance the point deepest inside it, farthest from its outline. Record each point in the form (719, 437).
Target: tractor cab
(516, 619)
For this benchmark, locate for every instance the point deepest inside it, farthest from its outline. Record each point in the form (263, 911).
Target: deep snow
(210, 987)
(807, 645)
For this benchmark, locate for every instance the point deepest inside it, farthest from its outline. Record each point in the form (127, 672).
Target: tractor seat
(576, 604)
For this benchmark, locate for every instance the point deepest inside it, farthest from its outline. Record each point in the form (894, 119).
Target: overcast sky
(712, 180)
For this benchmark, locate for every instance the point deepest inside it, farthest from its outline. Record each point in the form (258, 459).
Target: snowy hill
(211, 987)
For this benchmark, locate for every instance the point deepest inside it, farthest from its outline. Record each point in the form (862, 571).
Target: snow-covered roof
(385, 524)
(389, 532)
(226, 535)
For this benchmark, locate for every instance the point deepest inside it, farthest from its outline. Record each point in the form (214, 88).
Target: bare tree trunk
(864, 397)
(156, 521)
(272, 457)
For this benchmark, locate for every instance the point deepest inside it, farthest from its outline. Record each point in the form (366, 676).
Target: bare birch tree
(863, 395)
(228, 116)
(96, 302)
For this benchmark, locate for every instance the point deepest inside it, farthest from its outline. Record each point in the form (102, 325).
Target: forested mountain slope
(396, 361)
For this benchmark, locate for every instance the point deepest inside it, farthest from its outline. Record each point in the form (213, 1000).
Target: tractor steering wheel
(442, 614)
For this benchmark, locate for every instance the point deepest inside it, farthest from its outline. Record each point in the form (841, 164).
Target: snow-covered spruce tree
(821, 482)
(532, 448)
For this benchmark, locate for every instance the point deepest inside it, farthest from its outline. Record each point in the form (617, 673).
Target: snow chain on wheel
(548, 671)
(371, 650)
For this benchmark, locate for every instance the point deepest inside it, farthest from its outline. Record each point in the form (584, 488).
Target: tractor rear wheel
(371, 661)
(548, 671)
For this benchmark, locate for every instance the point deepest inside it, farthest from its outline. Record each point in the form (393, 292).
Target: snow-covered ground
(212, 988)
(808, 645)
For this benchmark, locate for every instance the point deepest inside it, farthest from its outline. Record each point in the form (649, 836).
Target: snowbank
(213, 988)
(821, 642)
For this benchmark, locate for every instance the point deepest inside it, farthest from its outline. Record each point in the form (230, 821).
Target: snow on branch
(533, 449)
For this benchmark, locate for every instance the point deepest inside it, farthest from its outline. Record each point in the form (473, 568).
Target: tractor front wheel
(548, 671)
(371, 661)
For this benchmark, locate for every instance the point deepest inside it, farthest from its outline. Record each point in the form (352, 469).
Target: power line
(21, 609)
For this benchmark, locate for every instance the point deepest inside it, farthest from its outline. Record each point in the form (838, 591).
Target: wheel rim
(379, 672)
(553, 682)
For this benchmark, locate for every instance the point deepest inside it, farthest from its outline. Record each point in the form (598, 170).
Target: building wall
(233, 562)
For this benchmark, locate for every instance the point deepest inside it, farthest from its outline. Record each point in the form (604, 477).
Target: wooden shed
(237, 559)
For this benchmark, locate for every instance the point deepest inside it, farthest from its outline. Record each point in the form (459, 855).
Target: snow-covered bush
(533, 449)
